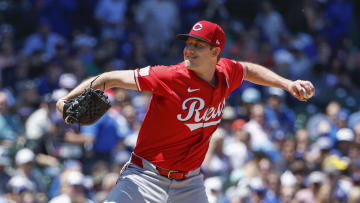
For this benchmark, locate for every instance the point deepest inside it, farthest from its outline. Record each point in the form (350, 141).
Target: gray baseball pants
(146, 185)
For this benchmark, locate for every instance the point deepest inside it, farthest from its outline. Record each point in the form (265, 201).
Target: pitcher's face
(197, 52)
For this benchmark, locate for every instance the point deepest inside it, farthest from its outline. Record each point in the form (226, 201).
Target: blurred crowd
(269, 147)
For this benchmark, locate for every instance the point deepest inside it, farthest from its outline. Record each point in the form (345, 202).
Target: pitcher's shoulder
(227, 61)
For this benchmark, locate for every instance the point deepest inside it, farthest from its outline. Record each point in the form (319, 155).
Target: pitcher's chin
(187, 63)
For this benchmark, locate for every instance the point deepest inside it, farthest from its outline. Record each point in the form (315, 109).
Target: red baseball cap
(206, 31)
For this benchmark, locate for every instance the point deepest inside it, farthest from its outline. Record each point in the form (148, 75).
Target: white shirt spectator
(65, 199)
(73, 179)
(237, 152)
(259, 138)
(37, 124)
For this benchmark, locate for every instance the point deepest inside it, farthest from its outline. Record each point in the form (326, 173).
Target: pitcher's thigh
(191, 193)
(136, 185)
(125, 191)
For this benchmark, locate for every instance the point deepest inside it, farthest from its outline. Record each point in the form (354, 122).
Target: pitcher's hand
(301, 89)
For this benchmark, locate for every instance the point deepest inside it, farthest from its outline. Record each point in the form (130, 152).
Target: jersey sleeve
(155, 79)
(235, 73)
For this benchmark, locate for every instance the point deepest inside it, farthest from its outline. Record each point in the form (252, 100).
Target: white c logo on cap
(197, 27)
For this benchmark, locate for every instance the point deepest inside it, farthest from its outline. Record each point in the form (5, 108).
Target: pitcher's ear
(215, 51)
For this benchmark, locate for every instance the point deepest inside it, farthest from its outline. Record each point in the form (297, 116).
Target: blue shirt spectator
(107, 131)
(10, 125)
(338, 14)
(44, 39)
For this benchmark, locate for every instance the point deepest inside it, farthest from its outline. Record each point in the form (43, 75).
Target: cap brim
(186, 36)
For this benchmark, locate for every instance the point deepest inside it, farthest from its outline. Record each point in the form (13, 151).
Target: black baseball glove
(86, 108)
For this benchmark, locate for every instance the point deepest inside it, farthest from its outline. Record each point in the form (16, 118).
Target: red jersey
(183, 113)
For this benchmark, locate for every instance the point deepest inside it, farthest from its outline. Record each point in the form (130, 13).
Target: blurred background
(269, 147)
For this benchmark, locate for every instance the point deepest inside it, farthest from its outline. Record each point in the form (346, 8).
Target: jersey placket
(214, 101)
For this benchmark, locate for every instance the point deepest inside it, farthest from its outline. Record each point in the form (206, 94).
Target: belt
(171, 174)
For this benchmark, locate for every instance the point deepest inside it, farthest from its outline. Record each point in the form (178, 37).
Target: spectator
(216, 163)
(260, 137)
(356, 130)
(302, 141)
(279, 117)
(121, 157)
(58, 184)
(213, 187)
(288, 156)
(49, 81)
(287, 194)
(320, 124)
(237, 147)
(4, 174)
(73, 189)
(271, 23)
(29, 98)
(105, 134)
(107, 183)
(99, 171)
(215, 9)
(10, 124)
(249, 97)
(345, 137)
(6, 33)
(283, 60)
(67, 81)
(258, 190)
(40, 127)
(12, 78)
(338, 16)
(78, 68)
(7, 56)
(44, 39)
(59, 14)
(110, 15)
(315, 180)
(84, 46)
(301, 65)
(159, 19)
(25, 168)
(272, 180)
(20, 186)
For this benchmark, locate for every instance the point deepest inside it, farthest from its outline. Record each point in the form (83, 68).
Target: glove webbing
(90, 87)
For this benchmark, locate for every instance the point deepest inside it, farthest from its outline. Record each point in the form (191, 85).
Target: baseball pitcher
(186, 108)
